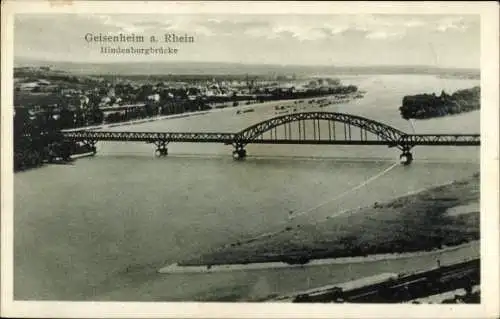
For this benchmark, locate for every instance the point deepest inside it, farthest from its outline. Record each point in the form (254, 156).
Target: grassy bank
(410, 223)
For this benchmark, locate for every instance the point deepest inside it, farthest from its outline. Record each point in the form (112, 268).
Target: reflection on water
(107, 223)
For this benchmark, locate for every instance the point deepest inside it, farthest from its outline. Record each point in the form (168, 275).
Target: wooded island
(424, 106)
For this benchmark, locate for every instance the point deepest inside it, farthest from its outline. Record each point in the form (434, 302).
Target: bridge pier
(406, 157)
(92, 146)
(239, 153)
(85, 146)
(161, 148)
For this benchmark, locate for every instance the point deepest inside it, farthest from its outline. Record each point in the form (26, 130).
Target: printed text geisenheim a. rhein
(134, 38)
(121, 37)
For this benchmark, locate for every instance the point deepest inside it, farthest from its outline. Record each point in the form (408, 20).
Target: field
(441, 216)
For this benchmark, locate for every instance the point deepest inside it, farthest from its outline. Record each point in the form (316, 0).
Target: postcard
(257, 160)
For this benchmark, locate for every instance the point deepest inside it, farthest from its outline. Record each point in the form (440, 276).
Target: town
(47, 101)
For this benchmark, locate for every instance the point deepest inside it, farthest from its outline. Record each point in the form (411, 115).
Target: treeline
(424, 106)
(37, 139)
(309, 93)
(155, 109)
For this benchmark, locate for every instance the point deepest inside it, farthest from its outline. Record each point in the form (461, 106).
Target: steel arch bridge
(384, 132)
(316, 128)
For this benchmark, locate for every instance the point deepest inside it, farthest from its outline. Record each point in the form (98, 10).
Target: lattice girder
(385, 132)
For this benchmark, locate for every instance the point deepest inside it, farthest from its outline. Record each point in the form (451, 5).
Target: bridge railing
(229, 138)
(151, 136)
(441, 139)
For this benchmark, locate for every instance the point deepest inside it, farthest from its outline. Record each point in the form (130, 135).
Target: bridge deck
(193, 137)
(322, 128)
(230, 138)
(441, 139)
(311, 128)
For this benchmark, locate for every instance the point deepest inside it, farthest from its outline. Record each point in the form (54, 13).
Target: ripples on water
(108, 223)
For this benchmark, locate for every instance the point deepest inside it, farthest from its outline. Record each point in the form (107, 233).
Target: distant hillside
(216, 68)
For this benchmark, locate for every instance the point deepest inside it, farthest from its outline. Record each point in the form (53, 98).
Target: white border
(489, 167)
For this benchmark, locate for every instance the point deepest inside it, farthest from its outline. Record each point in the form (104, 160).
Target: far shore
(415, 223)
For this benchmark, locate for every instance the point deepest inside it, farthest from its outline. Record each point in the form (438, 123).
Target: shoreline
(412, 223)
(189, 114)
(444, 116)
(350, 211)
(138, 121)
(176, 268)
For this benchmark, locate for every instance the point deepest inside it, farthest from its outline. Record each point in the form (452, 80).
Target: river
(100, 228)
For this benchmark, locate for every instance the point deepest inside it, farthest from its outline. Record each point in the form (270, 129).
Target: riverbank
(321, 102)
(36, 160)
(408, 224)
(179, 269)
(139, 121)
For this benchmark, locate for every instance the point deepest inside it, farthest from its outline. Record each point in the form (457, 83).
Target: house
(29, 86)
(154, 97)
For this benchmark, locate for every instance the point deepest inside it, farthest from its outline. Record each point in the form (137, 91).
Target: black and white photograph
(326, 158)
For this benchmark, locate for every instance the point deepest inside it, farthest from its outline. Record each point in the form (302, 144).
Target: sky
(341, 40)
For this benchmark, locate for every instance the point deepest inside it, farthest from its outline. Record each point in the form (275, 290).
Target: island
(425, 106)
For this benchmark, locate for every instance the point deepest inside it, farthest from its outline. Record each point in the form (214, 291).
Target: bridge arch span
(384, 131)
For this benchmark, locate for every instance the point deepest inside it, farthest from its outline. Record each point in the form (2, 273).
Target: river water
(99, 229)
